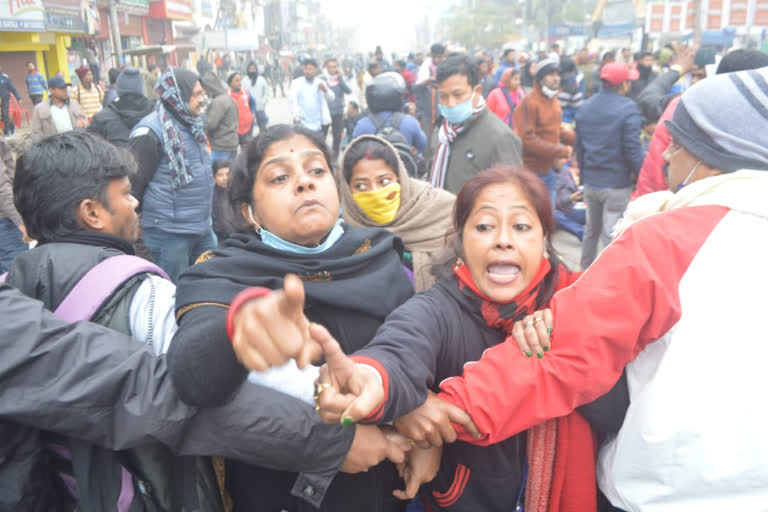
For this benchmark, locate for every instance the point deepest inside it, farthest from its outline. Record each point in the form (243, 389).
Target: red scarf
(562, 452)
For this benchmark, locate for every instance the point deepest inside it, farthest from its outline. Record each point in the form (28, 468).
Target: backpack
(190, 483)
(392, 134)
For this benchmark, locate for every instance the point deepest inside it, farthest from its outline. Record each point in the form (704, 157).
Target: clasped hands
(273, 329)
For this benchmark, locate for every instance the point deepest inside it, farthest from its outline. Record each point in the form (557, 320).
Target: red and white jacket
(679, 300)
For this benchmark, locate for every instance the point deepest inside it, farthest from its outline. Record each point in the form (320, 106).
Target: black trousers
(36, 98)
(8, 126)
(337, 129)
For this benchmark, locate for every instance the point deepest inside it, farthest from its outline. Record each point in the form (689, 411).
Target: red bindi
(291, 150)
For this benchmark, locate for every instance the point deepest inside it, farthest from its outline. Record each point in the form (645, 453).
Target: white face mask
(549, 93)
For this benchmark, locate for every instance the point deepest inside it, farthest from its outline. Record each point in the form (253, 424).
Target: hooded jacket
(423, 221)
(679, 282)
(221, 116)
(115, 121)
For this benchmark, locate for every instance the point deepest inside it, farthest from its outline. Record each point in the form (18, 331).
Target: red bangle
(240, 299)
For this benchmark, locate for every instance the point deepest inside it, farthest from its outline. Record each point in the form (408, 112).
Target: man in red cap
(610, 155)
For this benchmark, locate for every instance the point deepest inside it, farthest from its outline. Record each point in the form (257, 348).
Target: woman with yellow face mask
(376, 191)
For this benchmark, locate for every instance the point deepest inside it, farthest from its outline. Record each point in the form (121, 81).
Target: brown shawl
(424, 219)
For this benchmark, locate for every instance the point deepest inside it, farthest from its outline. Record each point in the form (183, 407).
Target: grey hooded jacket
(221, 115)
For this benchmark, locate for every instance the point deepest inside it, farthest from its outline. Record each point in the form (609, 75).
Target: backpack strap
(99, 283)
(397, 118)
(378, 123)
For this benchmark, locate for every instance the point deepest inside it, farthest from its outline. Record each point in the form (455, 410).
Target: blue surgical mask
(457, 114)
(278, 243)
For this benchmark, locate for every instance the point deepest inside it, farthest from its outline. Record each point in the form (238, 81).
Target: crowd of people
(364, 309)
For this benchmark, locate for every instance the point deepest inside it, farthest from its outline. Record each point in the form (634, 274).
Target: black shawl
(362, 272)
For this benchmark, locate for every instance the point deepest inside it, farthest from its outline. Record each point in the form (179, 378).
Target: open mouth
(503, 272)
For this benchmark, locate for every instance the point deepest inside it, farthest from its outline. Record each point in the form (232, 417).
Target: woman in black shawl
(352, 279)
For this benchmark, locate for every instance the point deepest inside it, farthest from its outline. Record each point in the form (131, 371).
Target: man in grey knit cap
(115, 121)
(676, 303)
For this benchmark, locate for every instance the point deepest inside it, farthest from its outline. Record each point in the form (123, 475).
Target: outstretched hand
(347, 392)
(270, 330)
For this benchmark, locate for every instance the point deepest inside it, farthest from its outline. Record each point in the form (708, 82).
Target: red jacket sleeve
(627, 299)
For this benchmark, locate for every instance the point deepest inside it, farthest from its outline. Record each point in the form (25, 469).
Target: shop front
(23, 39)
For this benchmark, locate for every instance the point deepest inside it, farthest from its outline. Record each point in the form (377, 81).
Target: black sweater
(430, 338)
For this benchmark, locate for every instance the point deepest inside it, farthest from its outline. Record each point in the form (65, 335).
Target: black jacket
(49, 369)
(115, 121)
(430, 338)
(350, 288)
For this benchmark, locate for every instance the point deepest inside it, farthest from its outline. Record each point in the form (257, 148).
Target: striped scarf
(170, 106)
(447, 134)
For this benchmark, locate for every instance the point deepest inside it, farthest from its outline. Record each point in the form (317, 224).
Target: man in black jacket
(6, 89)
(115, 121)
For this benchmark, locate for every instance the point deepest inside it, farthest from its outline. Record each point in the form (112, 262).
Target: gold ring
(528, 324)
(411, 442)
(538, 319)
(320, 387)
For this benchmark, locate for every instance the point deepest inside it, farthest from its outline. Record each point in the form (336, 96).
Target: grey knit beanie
(130, 82)
(721, 121)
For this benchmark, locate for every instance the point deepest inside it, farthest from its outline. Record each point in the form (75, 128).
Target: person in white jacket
(257, 85)
(310, 95)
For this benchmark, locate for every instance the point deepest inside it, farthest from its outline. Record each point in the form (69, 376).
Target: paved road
(567, 245)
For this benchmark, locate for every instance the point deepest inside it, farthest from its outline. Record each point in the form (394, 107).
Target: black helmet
(385, 93)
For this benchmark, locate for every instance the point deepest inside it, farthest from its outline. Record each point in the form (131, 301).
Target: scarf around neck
(447, 134)
(361, 272)
(172, 109)
(504, 315)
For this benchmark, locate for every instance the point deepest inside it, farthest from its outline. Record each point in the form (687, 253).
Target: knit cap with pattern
(726, 142)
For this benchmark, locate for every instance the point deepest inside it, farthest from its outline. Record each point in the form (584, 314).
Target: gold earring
(459, 262)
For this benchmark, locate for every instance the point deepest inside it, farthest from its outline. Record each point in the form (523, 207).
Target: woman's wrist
(241, 298)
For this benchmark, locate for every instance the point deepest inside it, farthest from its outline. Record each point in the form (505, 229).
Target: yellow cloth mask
(380, 205)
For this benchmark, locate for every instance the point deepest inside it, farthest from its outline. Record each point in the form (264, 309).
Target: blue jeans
(11, 244)
(550, 180)
(572, 221)
(175, 252)
(222, 155)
